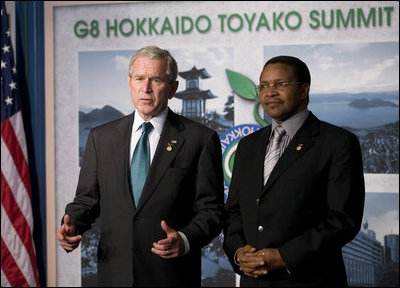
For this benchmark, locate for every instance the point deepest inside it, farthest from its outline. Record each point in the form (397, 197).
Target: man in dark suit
(152, 239)
(286, 227)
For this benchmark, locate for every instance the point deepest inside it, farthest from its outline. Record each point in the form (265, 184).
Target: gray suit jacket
(310, 207)
(184, 187)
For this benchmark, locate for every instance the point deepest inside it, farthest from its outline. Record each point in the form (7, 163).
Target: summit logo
(229, 141)
(246, 89)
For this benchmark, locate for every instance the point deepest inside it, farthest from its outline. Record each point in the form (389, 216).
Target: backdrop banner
(351, 49)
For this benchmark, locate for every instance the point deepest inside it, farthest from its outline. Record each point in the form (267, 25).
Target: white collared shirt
(154, 135)
(293, 124)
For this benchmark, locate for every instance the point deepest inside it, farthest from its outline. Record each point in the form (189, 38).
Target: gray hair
(154, 52)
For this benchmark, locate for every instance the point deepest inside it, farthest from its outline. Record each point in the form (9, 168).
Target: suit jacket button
(260, 228)
(257, 201)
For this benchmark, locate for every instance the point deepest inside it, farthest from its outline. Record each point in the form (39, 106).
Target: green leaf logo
(242, 85)
(245, 88)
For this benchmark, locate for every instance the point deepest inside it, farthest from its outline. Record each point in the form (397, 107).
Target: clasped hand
(256, 263)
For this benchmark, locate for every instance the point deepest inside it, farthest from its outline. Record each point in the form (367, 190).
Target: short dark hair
(300, 68)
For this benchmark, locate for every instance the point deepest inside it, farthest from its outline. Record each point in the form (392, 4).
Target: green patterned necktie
(140, 162)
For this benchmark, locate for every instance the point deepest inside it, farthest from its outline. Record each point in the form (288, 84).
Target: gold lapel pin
(298, 148)
(169, 145)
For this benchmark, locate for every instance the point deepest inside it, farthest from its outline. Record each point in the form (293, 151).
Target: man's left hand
(170, 247)
(262, 261)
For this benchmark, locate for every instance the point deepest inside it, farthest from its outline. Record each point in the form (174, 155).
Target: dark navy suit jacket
(310, 207)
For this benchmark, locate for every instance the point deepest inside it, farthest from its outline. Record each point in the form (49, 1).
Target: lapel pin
(169, 145)
(298, 148)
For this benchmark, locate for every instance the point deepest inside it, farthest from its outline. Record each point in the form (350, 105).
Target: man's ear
(305, 89)
(174, 87)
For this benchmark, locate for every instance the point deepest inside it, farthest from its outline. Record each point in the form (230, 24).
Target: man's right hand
(251, 262)
(66, 235)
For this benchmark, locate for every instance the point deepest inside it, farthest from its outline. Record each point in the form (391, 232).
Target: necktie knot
(146, 127)
(279, 132)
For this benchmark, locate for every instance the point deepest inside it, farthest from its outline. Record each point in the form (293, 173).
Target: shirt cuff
(235, 258)
(185, 242)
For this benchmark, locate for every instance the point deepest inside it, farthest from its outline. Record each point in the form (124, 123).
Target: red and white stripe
(18, 259)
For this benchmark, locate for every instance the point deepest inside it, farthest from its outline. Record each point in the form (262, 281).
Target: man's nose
(271, 92)
(146, 85)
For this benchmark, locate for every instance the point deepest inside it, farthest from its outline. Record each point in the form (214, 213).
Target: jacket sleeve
(209, 196)
(233, 229)
(85, 207)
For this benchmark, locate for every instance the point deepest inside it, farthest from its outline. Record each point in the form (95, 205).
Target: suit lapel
(262, 142)
(301, 142)
(120, 155)
(163, 157)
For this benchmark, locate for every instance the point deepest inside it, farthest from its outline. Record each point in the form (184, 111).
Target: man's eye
(280, 84)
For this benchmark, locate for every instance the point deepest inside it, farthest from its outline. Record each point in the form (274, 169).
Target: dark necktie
(273, 151)
(140, 162)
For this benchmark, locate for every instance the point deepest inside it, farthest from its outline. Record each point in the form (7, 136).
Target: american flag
(18, 259)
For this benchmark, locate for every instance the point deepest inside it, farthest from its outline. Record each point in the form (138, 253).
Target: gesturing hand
(170, 247)
(66, 235)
